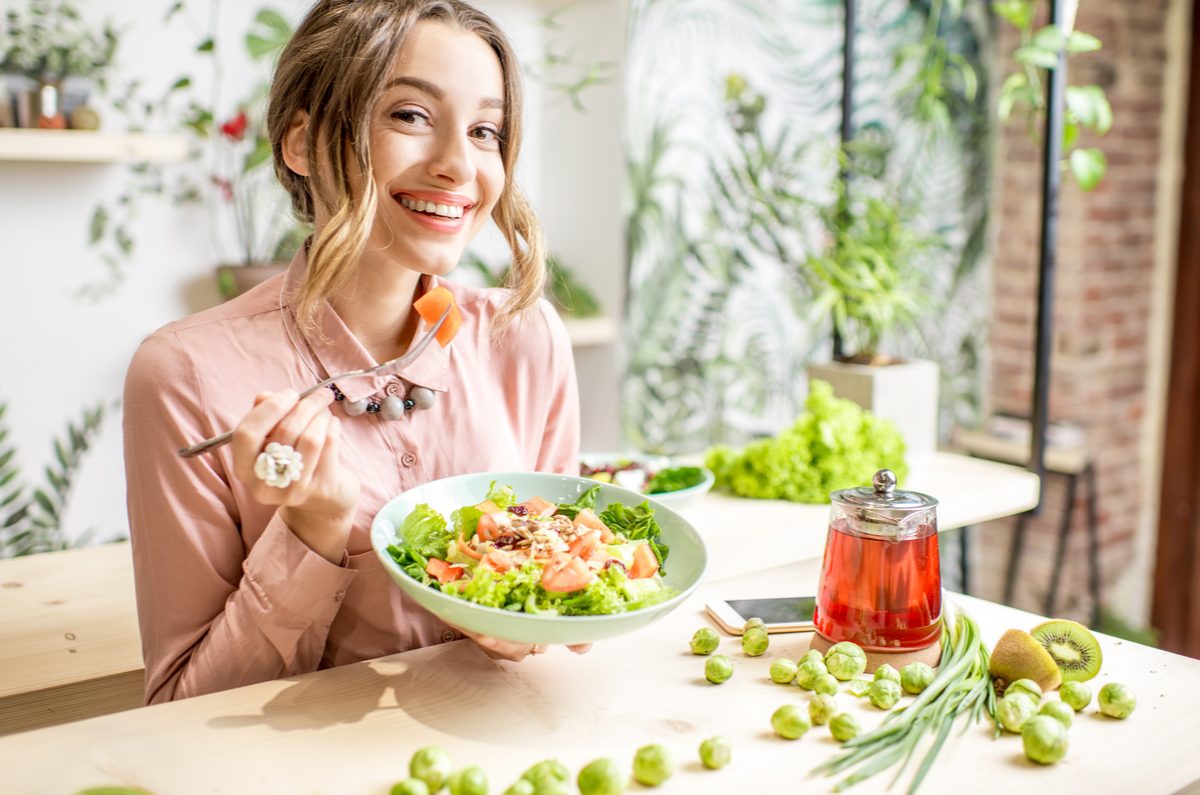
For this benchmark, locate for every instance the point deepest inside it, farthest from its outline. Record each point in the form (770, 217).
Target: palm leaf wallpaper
(731, 127)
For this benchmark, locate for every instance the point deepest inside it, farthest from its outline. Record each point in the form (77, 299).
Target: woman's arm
(212, 615)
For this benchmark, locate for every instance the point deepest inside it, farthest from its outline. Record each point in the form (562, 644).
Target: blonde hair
(332, 69)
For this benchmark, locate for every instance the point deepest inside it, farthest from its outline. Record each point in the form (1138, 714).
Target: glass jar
(880, 583)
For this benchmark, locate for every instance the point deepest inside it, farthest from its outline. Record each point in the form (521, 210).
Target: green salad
(537, 556)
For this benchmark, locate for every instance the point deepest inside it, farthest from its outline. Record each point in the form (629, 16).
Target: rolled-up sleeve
(212, 616)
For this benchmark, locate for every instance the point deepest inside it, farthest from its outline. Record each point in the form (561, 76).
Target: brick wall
(1106, 263)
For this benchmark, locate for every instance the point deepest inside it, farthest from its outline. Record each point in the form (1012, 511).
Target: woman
(395, 126)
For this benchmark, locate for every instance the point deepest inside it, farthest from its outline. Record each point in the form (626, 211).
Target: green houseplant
(48, 42)
(869, 278)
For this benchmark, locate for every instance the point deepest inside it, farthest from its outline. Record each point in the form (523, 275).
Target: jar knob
(884, 481)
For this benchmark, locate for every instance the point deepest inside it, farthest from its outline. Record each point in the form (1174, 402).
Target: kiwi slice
(1075, 650)
(1018, 655)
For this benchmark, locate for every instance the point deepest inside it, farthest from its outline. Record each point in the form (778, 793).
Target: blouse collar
(337, 350)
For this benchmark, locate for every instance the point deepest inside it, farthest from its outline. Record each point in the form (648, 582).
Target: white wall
(59, 355)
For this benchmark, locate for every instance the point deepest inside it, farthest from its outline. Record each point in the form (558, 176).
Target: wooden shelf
(85, 146)
(591, 331)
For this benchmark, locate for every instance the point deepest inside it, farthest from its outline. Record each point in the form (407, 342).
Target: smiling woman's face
(435, 148)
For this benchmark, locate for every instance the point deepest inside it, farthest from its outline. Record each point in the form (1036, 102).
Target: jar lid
(884, 495)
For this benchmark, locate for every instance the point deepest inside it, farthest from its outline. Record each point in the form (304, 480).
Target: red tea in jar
(880, 583)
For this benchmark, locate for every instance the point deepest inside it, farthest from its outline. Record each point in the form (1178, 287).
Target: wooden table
(69, 644)
(69, 647)
(352, 730)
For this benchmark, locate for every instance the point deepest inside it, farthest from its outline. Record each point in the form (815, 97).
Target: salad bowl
(683, 568)
(633, 470)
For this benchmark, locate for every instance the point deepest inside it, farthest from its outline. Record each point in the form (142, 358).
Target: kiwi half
(1074, 649)
(1018, 655)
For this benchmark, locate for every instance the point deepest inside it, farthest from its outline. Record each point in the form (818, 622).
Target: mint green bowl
(684, 565)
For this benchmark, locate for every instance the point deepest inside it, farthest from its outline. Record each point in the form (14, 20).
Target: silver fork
(388, 367)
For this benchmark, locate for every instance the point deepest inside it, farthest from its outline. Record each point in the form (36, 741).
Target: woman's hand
(318, 507)
(512, 651)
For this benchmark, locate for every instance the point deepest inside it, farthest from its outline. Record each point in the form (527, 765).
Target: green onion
(962, 687)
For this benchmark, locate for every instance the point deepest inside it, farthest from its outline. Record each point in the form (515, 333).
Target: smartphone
(787, 614)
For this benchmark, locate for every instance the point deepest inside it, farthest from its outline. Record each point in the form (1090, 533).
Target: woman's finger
(310, 446)
(249, 437)
(580, 648)
(293, 424)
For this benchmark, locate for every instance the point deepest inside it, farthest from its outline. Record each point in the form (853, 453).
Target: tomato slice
(539, 507)
(442, 571)
(586, 518)
(498, 560)
(644, 563)
(565, 573)
(585, 545)
(487, 529)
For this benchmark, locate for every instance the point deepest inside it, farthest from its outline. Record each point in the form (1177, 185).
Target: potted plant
(46, 44)
(252, 209)
(868, 278)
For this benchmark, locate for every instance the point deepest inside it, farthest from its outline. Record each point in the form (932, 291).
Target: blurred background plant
(248, 212)
(49, 41)
(568, 294)
(31, 520)
(1023, 92)
(870, 277)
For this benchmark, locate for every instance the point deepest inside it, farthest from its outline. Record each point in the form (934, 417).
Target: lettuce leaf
(585, 500)
(637, 524)
(833, 444)
(423, 535)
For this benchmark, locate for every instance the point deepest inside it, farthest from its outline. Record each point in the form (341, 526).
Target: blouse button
(448, 636)
(393, 388)
(408, 459)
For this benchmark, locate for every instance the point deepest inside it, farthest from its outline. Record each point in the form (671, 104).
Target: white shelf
(591, 331)
(85, 146)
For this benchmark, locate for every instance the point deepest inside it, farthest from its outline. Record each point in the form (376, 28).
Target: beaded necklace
(391, 406)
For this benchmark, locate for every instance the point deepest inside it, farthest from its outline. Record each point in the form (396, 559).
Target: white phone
(786, 614)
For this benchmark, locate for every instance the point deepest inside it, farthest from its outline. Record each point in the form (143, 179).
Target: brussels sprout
(718, 669)
(548, 777)
(521, 786)
(808, 671)
(1075, 695)
(887, 672)
(755, 641)
(825, 683)
(601, 777)
(470, 780)
(859, 687)
(884, 693)
(1045, 739)
(705, 641)
(410, 786)
(432, 765)
(790, 722)
(844, 726)
(812, 654)
(1059, 711)
(846, 660)
(652, 765)
(752, 623)
(915, 677)
(715, 752)
(1014, 709)
(783, 671)
(1027, 686)
(821, 708)
(1116, 700)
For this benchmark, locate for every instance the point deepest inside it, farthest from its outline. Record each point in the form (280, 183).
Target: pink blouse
(226, 594)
